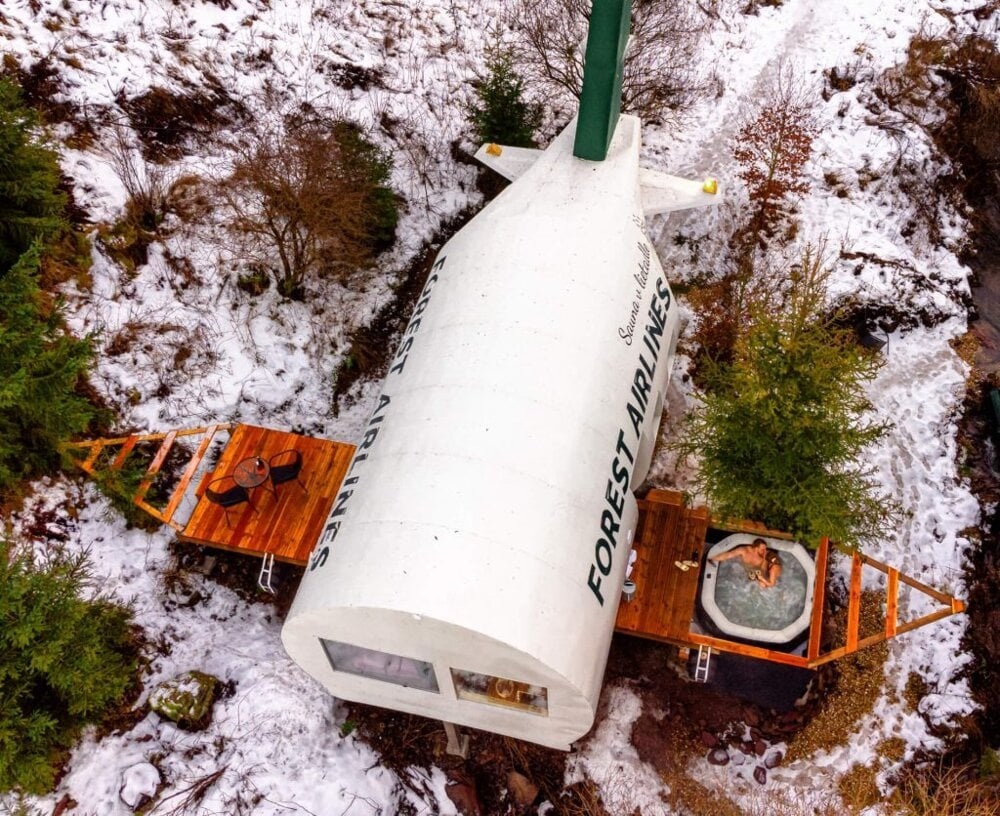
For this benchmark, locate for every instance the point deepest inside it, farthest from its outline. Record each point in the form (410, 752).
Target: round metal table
(252, 472)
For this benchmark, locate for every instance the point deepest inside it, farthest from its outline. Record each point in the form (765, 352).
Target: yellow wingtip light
(710, 186)
(493, 149)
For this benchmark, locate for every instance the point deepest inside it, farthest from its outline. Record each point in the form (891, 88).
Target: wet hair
(757, 542)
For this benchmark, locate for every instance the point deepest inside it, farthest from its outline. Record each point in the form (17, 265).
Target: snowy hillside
(181, 345)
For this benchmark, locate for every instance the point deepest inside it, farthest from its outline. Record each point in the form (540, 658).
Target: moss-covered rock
(186, 699)
(989, 764)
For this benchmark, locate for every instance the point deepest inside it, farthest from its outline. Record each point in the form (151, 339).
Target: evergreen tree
(63, 661)
(39, 369)
(371, 167)
(780, 431)
(501, 115)
(41, 364)
(31, 207)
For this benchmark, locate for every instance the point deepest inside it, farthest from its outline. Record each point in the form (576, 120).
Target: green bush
(40, 368)
(41, 365)
(31, 207)
(780, 430)
(501, 115)
(373, 168)
(120, 488)
(63, 661)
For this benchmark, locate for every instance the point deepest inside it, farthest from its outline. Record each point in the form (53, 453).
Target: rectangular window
(499, 691)
(403, 671)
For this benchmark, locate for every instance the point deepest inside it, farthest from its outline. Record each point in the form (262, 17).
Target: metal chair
(286, 466)
(226, 493)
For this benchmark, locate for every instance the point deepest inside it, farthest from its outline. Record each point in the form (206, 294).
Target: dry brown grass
(858, 789)
(893, 749)
(689, 796)
(930, 791)
(858, 684)
(905, 87)
(941, 791)
(966, 347)
(581, 799)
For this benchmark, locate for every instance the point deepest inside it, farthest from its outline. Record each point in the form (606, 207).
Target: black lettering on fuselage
(640, 389)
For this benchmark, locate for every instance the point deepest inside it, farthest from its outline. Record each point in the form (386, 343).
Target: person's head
(759, 546)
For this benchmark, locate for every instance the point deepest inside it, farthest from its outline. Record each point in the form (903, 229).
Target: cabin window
(499, 691)
(403, 671)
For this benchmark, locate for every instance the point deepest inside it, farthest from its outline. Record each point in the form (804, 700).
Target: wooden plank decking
(286, 526)
(664, 600)
(664, 604)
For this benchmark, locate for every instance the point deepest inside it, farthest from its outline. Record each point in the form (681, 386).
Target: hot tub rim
(747, 634)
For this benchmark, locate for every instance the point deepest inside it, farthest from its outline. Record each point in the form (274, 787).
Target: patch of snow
(183, 349)
(139, 784)
(608, 758)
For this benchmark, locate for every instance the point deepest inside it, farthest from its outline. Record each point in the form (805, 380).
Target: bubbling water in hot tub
(746, 603)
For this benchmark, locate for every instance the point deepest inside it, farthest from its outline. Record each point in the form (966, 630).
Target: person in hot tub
(763, 564)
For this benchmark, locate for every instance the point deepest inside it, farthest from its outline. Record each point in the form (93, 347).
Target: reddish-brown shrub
(772, 148)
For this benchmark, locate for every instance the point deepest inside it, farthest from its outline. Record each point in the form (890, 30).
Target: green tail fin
(603, 66)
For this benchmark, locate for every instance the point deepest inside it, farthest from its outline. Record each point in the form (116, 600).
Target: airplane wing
(664, 193)
(509, 162)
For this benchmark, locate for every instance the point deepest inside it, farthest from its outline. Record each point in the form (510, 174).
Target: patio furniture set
(235, 489)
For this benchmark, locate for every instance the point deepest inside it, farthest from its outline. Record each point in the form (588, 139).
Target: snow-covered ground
(276, 742)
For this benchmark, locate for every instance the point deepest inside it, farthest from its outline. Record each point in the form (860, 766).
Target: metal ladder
(701, 666)
(266, 571)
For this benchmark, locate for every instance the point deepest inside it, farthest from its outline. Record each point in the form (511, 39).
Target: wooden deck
(664, 600)
(286, 526)
(664, 604)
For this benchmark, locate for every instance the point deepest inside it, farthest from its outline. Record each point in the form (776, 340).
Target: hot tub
(734, 607)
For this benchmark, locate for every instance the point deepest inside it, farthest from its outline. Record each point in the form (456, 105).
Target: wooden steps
(126, 447)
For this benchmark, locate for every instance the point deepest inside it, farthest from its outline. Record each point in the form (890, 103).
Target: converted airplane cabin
(467, 561)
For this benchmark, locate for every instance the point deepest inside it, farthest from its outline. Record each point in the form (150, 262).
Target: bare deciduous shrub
(772, 146)
(146, 184)
(754, 6)
(147, 189)
(308, 198)
(725, 306)
(973, 70)
(905, 87)
(660, 76)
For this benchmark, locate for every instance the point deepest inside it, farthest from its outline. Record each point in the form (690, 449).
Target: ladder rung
(703, 663)
(266, 571)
